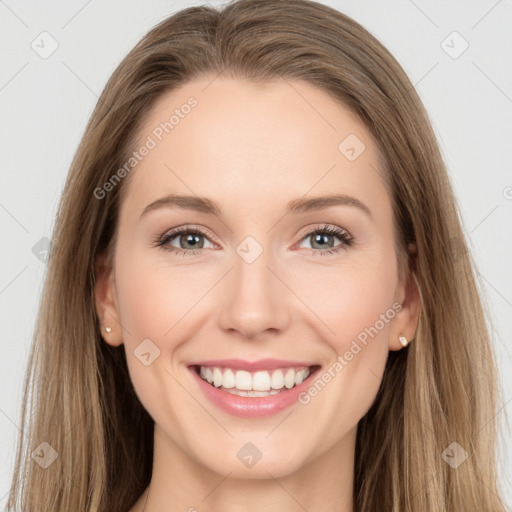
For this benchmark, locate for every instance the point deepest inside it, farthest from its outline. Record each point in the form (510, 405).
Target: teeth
(301, 376)
(277, 379)
(235, 391)
(217, 377)
(243, 380)
(260, 383)
(289, 378)
(228, 379)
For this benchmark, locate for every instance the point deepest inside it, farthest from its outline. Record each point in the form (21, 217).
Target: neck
(180, 483)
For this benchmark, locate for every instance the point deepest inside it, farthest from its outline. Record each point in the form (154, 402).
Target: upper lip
(251, 366)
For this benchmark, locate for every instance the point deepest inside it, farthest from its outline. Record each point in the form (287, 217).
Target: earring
(108, 329)
(403, 341)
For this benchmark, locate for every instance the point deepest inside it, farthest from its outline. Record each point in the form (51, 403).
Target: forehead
(251, 142)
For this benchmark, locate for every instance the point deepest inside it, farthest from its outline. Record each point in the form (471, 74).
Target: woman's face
(265, 285)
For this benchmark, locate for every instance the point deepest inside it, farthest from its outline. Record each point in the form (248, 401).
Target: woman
(248, 371)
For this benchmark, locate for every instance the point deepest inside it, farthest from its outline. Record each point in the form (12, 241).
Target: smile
(254, 384)
(253, 389)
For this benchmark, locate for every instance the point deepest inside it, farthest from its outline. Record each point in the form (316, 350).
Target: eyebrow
(210, 207)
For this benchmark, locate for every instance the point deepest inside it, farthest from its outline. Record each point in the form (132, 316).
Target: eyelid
(188, 228)
(329, 228)
(342, 234)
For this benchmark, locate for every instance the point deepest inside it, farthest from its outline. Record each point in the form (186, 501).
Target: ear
(405, 322)
(105, 301)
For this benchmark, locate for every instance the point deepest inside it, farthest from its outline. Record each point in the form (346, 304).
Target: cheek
(350, 298)
(355, 303)
(151, 303)
(153, 295)
(157, 301)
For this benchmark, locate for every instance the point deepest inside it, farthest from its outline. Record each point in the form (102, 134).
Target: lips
(252, 389)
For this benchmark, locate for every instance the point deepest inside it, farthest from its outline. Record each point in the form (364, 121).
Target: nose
(254, 302)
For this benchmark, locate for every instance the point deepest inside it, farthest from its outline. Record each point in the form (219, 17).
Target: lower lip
(247, 406)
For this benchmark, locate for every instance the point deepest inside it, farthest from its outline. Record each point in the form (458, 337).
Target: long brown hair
(78, 396)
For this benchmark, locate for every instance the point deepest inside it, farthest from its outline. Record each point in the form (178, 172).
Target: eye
(190, 240)
(322, 237)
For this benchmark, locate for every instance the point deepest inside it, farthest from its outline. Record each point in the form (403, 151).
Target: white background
(45, 104)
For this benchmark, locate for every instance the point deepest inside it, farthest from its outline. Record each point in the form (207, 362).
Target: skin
(253, 148)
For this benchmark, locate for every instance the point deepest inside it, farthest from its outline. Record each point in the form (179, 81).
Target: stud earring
(108, 329)
(403, 341)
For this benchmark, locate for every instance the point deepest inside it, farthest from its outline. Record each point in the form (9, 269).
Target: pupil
(320, 237)
(190, 238)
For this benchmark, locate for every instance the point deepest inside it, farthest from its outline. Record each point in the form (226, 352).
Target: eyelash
(347, 240)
